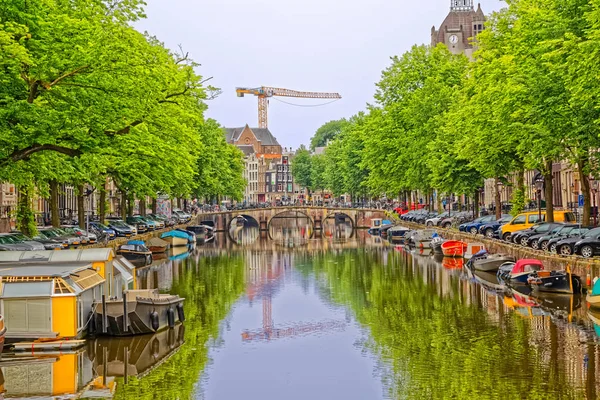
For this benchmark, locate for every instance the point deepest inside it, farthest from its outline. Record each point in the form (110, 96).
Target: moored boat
(519, 271)
(485, 262)
(593, 298)
(555, 281)
(472, 249)
(454, 248)
(397, 233)
(191, 236)
(134, 251)
(139, 312)
(157, 245)
(175, 238)
(436, 245)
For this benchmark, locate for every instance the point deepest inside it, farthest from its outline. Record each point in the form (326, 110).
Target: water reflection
(331, 318)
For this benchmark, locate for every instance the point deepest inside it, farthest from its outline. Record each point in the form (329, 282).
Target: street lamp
(539, 185)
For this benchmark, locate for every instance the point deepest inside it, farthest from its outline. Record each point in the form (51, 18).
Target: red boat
(454, 248)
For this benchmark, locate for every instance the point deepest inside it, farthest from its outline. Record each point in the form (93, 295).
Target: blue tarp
(596, 289)
(140, 242)
(175, 233)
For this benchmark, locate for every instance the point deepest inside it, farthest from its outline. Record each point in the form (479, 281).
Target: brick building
(460, 28)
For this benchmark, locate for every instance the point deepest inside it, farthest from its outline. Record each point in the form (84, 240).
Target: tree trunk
(130, 203)
(549, 192)
(498, 198)
(153, 205)
(102, 205)
(179, 201)
(80, 206)
(585, 188)
(25, 216)
(143, 206)
(476, 204)
(123, 210)
(54, 213)
(439, 201)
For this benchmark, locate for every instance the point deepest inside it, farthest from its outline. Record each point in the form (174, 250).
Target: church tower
(460, 28)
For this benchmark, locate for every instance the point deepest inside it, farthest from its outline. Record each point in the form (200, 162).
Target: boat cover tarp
(138, 242)
(531, 264)
(157, 242)
(175, 233)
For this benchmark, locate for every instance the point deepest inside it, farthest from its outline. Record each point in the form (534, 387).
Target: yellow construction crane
(263, 93)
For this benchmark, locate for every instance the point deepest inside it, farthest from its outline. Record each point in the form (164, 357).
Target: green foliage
(301, 168)
(327, 132)
(84, 96)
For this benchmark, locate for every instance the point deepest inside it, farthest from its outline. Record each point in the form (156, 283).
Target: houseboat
(49, 300)
(138, 312)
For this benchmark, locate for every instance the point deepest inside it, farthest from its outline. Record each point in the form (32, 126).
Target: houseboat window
(79, 313)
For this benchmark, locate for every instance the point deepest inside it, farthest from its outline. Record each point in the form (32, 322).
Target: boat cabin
(43, 300)
(527, 265)
(376, 223)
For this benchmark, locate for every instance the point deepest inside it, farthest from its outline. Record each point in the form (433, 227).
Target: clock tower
(460, 28)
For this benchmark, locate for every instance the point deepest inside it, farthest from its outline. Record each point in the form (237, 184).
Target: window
(289, 178)
(534, 218)
(569, 217)
(279, 188)
(519, 220)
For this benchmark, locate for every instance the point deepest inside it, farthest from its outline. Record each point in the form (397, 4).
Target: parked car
(574, 234)
(589, 245)
(61, 234)
(111, 233)
(86, 237)
(473, 226)
(121, 228)
(527, 219)
(539, 241)
(454, 218)
(19, 242)
(50, 243)
(169, 221)
(491, 229)
(183, 216)
(566, 246)
(521, 237)
(151, 222)
(139, 224)
(433, 221)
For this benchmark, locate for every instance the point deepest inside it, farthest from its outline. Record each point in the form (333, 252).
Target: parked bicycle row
(529, 229)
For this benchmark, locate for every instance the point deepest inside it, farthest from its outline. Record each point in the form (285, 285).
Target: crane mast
(264, 92)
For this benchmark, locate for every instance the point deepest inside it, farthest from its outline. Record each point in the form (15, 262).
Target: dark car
(566, 246)
(473, 226)
(589, 245)
(575, 233)
(520, 237)
(120, 227)
(424, 217)
(539, 241)
(101, 228)
(490, 229)
(139, 223)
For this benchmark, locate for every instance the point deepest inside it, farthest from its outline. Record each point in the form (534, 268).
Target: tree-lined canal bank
(352, 319)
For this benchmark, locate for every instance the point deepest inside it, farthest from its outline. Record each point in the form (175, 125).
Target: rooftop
(43, 269)
(264, 135)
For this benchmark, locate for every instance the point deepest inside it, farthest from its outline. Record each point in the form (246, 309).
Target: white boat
(473, 248)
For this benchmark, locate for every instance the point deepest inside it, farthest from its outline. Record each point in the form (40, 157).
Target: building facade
(460, 28)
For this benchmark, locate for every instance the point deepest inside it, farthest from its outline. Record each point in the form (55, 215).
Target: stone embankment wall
(579, 265)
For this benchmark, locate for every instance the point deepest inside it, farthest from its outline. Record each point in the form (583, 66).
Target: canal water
(286, 315)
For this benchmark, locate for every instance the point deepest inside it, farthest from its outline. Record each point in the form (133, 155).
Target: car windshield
(52, 233)
(100, 226)
(7, 240)
(19, 237)
(566, 230)
(592, 233)
(40, 236)
(557, 229)
(506, 219)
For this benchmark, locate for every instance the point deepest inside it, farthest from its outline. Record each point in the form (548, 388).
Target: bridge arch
(294, 214)
(339, 216)
(233, 228)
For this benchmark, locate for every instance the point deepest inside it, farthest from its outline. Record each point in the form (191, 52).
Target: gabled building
(261, 139)
(461, 26)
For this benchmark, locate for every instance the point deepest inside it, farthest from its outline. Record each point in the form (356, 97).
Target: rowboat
(454, 248)
(157, 245)
(485, 262)
(175, 238)
(555, 281)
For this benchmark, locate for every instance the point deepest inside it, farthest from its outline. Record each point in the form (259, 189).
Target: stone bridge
(360, 218)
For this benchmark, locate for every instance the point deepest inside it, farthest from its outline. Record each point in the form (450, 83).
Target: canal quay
(281, 315)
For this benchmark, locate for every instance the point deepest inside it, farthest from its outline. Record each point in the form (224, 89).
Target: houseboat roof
(100, 254)
(43, 270)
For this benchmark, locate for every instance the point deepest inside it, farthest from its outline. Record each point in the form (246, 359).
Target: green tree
(301, 167)
(326, 133)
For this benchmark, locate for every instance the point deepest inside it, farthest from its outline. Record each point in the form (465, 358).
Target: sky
(307, 45)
